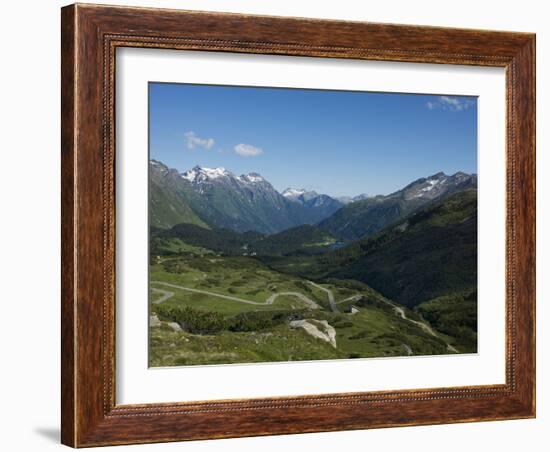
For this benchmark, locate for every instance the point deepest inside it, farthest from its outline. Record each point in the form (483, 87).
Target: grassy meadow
(217, 309)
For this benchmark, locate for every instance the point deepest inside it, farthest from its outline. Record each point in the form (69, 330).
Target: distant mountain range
(350, 199)
(217, 198)
(322, 206)
(304, 196)
(370, 215)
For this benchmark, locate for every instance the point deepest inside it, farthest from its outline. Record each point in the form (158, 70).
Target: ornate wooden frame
(90, 35)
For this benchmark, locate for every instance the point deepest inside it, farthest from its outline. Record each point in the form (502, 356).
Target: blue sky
(334, 142)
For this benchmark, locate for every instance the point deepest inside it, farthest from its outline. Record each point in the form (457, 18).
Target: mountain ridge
(368, 216)
(217, 197)
(221, 199)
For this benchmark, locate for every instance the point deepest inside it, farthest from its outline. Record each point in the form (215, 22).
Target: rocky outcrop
(319, 329)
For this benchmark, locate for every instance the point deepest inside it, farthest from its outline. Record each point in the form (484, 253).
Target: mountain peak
(200, 173)
(360, 197)
(291, 192)
(300, 194)
(349, 199)
(251, 178)
(158, 165)
(437, 185)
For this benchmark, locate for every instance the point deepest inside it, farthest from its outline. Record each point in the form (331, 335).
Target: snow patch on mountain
(432, 184)
(350, 199)
(301, 195)
(438, 184)
(200, 174)
(251, 178)
(293, 192)
(360, 197)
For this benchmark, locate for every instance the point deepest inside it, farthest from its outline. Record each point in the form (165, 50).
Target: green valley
(229, 309)
(379, 277)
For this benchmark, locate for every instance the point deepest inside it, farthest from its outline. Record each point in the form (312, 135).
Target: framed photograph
(281, 225)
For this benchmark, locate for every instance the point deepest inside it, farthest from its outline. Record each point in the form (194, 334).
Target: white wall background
(29, 228)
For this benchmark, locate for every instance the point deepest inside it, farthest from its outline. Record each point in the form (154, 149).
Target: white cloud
(450, 103)
(247, 150)
(193, 141)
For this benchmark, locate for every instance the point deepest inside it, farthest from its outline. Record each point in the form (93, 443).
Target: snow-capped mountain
(242, 203)
(324, 204)
(437, 185)
(368, 216)
(299, 194)
(360, 197)
(199, 175)
(216, 197)
(350, 199)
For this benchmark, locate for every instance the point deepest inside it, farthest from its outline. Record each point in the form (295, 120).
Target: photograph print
(300, 225)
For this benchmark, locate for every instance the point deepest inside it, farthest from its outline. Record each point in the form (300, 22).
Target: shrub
(254, 321)
(173, 266)
(370, 301)
(196, 322)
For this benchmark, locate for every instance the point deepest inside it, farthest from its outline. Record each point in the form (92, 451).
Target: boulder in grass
(319, 329)
(175, 326)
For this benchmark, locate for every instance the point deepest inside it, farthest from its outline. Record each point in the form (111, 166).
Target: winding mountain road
(302, 297)
(165, 295)
(427, 328)
(401, 313)
(312, 304)
(330, 295)
(352, 298)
